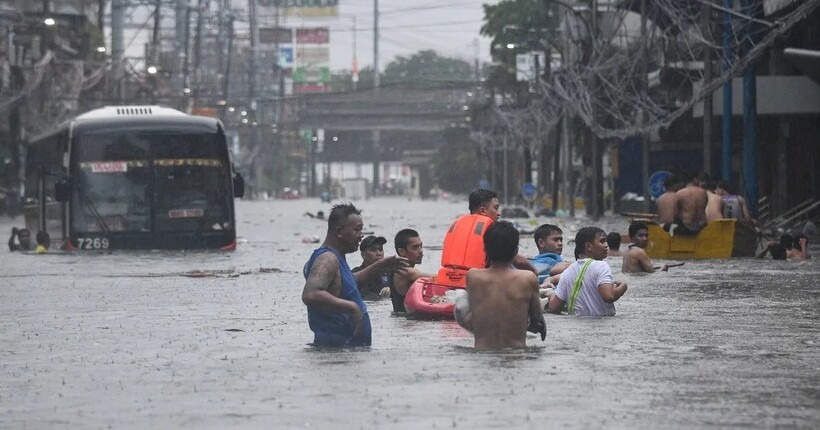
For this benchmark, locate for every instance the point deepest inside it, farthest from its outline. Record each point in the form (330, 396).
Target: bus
(133, 177)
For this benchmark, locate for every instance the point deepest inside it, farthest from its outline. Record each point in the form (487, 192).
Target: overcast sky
(406, 26)
(449, 27)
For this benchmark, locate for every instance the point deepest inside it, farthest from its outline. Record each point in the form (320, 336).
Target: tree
(457, 165)
(524, 25)
(425, 67)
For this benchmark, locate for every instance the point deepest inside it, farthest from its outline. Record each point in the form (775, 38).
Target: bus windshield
(148, 181)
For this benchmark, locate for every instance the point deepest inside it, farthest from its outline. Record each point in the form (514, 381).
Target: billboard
(312, 64)
(312, 70)
(528, 65)
(285, 57)
(313, 36)
(274, 36)
(304, 8)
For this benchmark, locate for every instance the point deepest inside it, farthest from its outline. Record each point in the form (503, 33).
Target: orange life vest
(463, 249)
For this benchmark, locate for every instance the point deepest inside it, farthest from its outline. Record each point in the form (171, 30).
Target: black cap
(371, 240)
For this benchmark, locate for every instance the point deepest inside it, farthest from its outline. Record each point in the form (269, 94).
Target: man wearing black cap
(378, 286)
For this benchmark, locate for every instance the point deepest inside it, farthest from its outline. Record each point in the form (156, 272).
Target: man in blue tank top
(337, 314)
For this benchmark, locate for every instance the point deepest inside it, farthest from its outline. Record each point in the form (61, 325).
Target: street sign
(484, 184)
(656, 187)
(528, 191)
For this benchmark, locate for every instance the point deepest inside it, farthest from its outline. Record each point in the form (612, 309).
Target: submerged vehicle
(724, 238)
(133, 177)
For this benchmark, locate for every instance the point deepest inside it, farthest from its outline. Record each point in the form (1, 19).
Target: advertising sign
(285, 57)
(275, 36)
(304, 8)
(314, 36)
(528, 191)
(312, 65)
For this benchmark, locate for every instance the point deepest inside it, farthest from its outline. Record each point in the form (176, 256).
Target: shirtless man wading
(635, 259)
(504, 302)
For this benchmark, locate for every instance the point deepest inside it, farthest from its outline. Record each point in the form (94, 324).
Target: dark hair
(501, 241)
(339, 214)
(584, 236)
(635, 227)
(787, 241)
(481, 197)
(797, 241)
(778, 252)
(23, 231)
(708, 184)
(670, 181)
(727, 186)
(613, 240)
(403, 236)
(544, 231)
(43, 239)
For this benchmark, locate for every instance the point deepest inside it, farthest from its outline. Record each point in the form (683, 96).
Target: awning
(807, 60)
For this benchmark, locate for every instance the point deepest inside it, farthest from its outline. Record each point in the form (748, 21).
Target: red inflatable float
(426, 299)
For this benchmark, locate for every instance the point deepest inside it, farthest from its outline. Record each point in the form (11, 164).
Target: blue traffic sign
(656, 187)
(528, 190)
(484, 184)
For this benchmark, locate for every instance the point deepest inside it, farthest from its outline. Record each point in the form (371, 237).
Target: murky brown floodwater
(123, 341)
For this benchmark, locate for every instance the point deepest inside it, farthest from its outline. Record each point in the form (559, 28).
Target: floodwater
(125, 340)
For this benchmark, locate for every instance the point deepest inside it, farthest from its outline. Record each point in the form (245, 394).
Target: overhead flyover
(406, 107)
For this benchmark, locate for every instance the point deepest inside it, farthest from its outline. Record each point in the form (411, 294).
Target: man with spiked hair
(337, 314)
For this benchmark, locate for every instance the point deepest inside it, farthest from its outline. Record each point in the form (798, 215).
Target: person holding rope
(586, 286)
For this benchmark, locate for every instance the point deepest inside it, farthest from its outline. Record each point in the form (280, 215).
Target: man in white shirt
(586, 286)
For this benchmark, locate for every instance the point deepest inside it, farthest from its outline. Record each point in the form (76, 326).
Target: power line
(392, 27)
(440, 6)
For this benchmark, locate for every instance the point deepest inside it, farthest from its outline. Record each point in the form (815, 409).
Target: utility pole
(354, 75)
(226, 71)
(644, 101)
(257, 166)
(101, 17)
(728, 38)
(118, 47)
(477, 54)
(750, 144)
(596, 183)
(706, 16)
(505, 173)
(186, 67)
(155, 36)
(376, 79)
(200, 8)
(180, 14)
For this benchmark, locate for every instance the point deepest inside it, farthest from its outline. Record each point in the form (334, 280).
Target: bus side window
(238, 185)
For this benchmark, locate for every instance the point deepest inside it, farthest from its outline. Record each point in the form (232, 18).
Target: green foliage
(427, 66)
(527, 24)
(422, 67)
(457, 165)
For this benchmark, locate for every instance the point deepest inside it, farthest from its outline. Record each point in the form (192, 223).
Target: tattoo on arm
(322, 274)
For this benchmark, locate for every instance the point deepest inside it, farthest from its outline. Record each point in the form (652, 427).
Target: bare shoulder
(636, 252)
(476, 274)
(526, 278)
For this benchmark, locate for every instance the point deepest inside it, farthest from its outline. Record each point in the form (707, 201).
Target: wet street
(219, 340)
